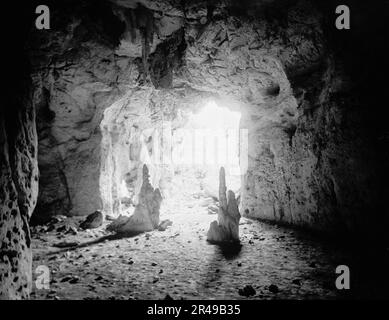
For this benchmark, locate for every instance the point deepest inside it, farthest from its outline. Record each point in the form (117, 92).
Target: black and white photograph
(212, 150)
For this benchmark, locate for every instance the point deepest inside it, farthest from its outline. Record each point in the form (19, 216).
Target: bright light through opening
(217, 118)
(216, 136)
(184, 159)
(216, 143)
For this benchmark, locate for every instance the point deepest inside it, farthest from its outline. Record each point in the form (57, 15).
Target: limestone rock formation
(92, 221)
(227, 227)
(146, 214)
(18, 195)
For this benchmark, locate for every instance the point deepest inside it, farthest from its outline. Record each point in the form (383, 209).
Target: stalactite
(145, 24)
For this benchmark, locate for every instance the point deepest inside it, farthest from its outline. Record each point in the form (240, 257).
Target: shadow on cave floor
(71, 246)
(229, 251)
(179, 262)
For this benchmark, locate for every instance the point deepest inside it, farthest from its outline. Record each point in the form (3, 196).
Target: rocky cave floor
(178, 263)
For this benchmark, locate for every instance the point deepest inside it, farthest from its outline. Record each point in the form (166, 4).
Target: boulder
(164, 225)
(247, 291)
(92, 221)
(226, 229)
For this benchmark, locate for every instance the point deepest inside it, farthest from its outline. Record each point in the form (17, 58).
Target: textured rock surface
(18, 196)
(146, 213)
(227, 227)
(314, 172)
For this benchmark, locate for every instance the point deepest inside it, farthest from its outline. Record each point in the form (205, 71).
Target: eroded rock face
(146, 214)
(18, 196)
(310, 173)
(226, 229)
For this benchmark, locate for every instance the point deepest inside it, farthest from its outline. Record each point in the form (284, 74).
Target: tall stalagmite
(227, 227)
(146, 214)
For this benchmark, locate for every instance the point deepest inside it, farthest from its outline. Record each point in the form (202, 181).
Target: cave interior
(265, 89)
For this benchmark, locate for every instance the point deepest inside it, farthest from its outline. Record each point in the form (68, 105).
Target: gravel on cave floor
(277, 262)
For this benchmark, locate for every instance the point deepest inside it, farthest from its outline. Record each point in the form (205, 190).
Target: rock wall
(309, 163)
(18, 196)
(73, 83)
(319, 172)
(18, 164)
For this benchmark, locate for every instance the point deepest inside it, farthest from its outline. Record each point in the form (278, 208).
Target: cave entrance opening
(183, 152)
(208, 140)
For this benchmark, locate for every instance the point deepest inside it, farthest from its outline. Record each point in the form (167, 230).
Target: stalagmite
(146, 214)
(227, 227)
